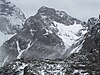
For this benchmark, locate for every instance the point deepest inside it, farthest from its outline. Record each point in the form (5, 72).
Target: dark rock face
(48, 14)
(92, 21)
(41, 42)
(33, 42)
(11, 17)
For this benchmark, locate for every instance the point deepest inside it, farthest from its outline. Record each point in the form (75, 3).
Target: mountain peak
(51, 14)
(43, 7)
(46, 10)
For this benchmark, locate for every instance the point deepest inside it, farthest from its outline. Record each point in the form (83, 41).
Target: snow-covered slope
(69, 34)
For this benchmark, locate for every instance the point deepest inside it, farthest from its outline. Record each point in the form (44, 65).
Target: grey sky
(81, 9)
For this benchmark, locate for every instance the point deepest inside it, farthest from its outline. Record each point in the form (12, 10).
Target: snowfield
(69, 33)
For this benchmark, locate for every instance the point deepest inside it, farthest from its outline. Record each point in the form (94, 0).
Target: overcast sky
(81, 9)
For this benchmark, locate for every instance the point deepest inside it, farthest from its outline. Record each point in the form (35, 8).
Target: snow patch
(68, 33)
(22, 51)
(4, 37)
(21, 68)
(76, 50)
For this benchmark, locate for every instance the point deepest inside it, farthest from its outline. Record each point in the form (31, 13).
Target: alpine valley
(49, 43)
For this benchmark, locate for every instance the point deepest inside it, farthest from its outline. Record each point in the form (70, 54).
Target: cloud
(81, 9)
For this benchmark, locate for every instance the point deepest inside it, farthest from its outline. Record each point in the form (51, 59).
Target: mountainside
(11, 18)
(50, 42)
(85, 62)
(49, 34)
(92, 21)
